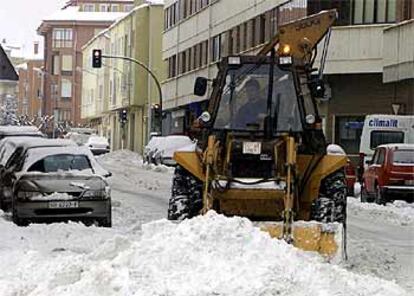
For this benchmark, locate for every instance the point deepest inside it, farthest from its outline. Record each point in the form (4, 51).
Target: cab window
(381, 157)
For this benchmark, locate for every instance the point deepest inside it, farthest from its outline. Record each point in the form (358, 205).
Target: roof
(72, 13)
(398, 146)
(7, 71)
(104, 32)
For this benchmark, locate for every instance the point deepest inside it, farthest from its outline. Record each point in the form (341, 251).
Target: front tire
(186, 196)
(16, 219)
(330, 206)
(380, 196)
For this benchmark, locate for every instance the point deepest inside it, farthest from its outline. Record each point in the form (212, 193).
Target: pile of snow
(208, 255)
(399, 212)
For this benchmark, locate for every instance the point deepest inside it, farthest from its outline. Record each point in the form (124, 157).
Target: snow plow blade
(323, 238)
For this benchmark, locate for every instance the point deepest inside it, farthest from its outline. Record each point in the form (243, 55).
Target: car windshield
(403, 156)
(243, 103)
(61, 162)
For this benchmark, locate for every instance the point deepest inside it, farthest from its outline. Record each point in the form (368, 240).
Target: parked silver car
(60, 184)
(12, 149)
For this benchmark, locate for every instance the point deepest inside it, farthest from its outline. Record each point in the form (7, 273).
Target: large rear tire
(330, 206)
(186, 196)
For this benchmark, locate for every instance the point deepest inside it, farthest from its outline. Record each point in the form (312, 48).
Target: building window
(115, 8)
(374, 11)
(172, 66)
(216, 48)
(104, 8)
(66, 88)
(183, 62)
(89, 7)
(55, 64)
(67, 64)
(62, 38)
(205, 53)
(347, 133)
(128, 7)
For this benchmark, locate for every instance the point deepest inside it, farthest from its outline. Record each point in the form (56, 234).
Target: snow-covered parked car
(166, 148)
(151, 148)
(60, 184)
(98, 145)
(19, 131)
(79, 139)
(12, 149)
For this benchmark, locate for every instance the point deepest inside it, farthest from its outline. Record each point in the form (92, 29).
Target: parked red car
(390, 174)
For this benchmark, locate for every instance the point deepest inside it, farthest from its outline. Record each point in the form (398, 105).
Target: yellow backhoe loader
(261, 149)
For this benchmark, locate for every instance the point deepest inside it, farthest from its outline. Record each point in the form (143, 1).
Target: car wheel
(17, 220)
(330, 206)
(380, 197)
(186, 195)
(364, 193)
(106, 222)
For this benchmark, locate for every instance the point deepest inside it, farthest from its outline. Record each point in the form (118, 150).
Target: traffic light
(96, 58)
(123, 116)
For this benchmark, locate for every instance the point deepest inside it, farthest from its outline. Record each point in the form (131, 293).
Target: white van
(385, 129)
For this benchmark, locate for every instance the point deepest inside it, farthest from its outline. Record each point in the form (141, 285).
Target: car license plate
(409, 182)
(252, 147)
(63, 204)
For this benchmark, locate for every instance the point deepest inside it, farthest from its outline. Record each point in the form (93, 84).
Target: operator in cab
(254, 110)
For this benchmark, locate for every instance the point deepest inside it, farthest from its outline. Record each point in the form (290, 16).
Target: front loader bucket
(325, 238)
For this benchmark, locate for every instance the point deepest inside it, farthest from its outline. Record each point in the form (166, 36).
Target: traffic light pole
(158, 84)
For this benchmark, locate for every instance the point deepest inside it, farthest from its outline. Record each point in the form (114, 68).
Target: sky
(19, 20)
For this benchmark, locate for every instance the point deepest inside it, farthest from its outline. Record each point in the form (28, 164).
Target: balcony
(354, 49)
(398, 53)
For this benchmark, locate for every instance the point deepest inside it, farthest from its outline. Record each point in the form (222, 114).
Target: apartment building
(8, 88)
(65, 32)
(369, 66)
(121, 85)
(30, 87)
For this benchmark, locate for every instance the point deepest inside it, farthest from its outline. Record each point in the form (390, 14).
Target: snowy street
(142, 254)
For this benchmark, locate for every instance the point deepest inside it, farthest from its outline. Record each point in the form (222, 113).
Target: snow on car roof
(38, 153)
(29, 142)
(11, 129)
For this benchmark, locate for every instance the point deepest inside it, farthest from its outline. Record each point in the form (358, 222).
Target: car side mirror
(200, 86)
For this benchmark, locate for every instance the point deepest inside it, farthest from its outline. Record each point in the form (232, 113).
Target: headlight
(26, 195)
(92, 194)
(310, 119)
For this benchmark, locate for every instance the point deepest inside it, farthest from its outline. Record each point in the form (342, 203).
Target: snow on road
(399, 212)
(143, 254)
